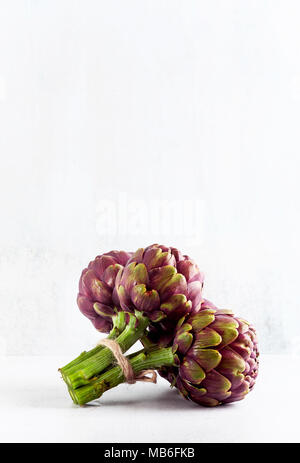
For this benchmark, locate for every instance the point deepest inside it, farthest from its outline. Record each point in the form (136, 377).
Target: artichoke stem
(111, 378)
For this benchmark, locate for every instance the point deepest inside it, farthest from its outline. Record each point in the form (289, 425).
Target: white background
(109, 107)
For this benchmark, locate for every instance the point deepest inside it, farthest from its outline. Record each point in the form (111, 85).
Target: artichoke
(163, 284)
(213, 360)
(218, 357)
(97, 298)
(152, 278)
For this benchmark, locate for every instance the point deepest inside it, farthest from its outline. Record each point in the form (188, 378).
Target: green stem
(118, 326)
(95, 362)
(111, 378)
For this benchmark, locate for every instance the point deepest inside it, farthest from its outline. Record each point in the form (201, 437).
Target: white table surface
(35, 407)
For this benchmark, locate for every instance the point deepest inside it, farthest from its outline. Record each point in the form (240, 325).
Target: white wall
(107, 106)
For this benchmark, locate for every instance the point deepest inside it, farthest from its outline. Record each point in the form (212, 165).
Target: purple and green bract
(218, 357)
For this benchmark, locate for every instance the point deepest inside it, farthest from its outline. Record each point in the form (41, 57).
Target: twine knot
(125, 365)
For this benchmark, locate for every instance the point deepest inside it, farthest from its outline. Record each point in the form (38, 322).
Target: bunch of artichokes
(155, 295)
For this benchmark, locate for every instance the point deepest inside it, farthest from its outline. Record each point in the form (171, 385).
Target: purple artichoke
(97, 299)
(217, 357)
(160, 282)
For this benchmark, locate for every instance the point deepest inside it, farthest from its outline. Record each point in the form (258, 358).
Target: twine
(125, 365)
